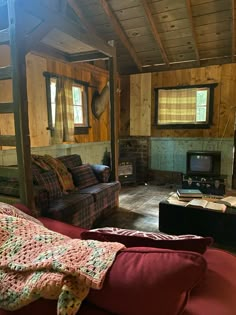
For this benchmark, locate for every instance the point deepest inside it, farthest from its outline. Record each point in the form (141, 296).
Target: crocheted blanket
(38, 263)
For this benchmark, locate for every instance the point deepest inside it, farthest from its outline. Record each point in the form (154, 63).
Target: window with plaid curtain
(184, 106)
(67, 104)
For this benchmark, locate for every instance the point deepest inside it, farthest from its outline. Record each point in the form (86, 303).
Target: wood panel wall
(224, 100)
(99, 129)
(140, 105)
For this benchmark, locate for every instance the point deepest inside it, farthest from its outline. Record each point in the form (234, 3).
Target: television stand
(210, 185)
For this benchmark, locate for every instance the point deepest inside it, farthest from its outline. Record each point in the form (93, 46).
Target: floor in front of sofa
(139, 208)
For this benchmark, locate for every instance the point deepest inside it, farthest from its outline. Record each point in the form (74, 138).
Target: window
(184, 107)
(79, 99)
(80, 111)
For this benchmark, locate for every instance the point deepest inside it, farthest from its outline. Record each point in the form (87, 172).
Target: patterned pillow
(133, 238)
(83, 176)
(14, 212)
(50, 182)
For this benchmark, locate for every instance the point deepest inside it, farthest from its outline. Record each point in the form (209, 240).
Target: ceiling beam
(190, 16)
(59, 21)
(233, 29)
(85, 57)
(120, 32)
(154, 30)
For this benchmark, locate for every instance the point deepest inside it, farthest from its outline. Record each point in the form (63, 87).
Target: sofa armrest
(62, 227)
(102, 172)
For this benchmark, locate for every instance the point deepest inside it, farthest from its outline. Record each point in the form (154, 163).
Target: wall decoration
(100, 101)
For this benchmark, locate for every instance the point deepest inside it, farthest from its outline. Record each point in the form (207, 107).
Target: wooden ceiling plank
(81, 16)
(57, 20)
(211, 7)
(154, 30)
(36, 35)
(118, 29)
(233, 29)
(44, 50)
(190, 15)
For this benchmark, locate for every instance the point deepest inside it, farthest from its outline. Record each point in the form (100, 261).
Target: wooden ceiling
(149, 35)
(159, 35)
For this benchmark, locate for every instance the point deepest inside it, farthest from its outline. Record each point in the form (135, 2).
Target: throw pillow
(149, 281)
(15, 212)
(132, 238)
(83, 176)
(50, 182)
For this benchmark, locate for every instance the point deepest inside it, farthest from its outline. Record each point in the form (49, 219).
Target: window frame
(201, 125)
(77, 129)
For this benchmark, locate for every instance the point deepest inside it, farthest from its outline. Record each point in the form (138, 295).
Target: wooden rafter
(59, 21)
(154, 30)
(233, 29)
(85, 57)
(190, 16)
(120, 32)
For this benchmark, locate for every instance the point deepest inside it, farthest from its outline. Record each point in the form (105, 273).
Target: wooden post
(113, 118)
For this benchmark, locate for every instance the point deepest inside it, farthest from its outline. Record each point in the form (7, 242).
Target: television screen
(201, 163)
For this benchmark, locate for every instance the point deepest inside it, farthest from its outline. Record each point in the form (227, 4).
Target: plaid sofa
(91, 194)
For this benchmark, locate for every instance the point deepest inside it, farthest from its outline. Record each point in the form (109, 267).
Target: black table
(177, 219)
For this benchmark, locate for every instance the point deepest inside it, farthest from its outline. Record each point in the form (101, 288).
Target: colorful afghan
(38, 263)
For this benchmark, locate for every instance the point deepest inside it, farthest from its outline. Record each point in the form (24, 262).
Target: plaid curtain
(177, 106)
(64, 122)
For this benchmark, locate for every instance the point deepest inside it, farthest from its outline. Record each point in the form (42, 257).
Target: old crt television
(203, 163)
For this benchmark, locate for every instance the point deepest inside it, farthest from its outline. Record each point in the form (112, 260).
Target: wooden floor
(138, 208)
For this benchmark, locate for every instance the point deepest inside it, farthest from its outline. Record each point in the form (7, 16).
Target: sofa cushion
(50, 182)
(74, 208)
(83, 176)
(149, 281)
(215, 294)
(70, 161)
(20, 212)
(132, 238)
(101, 190)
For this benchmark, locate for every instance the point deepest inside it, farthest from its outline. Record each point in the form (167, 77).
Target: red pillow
(132, 238)
(149, 281)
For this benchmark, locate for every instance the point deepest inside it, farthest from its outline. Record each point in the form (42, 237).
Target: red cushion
(146, 239)
(215, 294)
(63, 228)
(149, 281)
